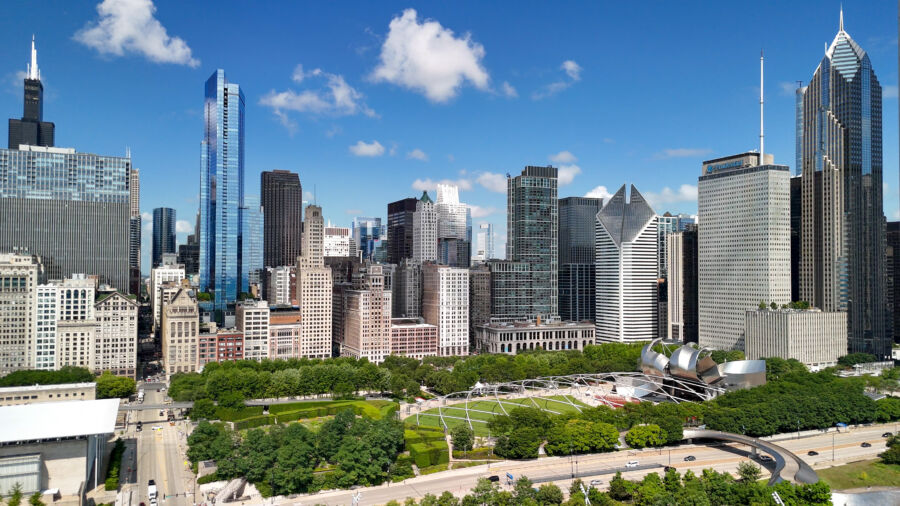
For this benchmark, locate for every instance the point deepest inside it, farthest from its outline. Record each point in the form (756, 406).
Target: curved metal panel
(744, 373)
(653, 363)
(683, 363)
(709, 370)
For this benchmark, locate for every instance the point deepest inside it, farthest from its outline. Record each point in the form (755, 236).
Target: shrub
(253, 422)
(115, 465)
(209, 478)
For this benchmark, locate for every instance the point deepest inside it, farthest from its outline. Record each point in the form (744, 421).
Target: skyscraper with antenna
(31, 129)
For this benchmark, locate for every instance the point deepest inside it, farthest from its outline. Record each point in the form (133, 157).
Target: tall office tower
(45, 327)
(18, 310)
(134, 228)
(180, 331)
(366, 235)
(627, 268)
(400, 229)
(741, 202)
(281, 285)
(576, 257)
(667, 225)
(425, 227)
(367, 317)
(159, 276)
(251, 243)
(337, 241)
(221, 191)
(532, 228)
(690, 259)
(842, 258)
(892, 268)
(514, 291)
(454, 252)
(674, 328)
(445, 303)
(189, 256)
(452, 214)
(683, 221)
(163, 233)
(796, 219)
(407, 290)
(314, 288)
(282, 203)
(484, 239)
(116, 338)
(32, 129)
(479, 299)
(252, 318)
(76, 327)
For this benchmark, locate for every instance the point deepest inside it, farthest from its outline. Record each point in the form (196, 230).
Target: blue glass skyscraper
(251, 242)
(221, 190)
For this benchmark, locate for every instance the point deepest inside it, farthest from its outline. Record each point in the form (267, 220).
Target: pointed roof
(426, 198)
(624, 220)
(845, 54)
(34, 72)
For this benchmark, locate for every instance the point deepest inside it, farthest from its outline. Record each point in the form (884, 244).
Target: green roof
(426, 198)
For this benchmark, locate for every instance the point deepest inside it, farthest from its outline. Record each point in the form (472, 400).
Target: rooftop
(52, 420)
(39, 388)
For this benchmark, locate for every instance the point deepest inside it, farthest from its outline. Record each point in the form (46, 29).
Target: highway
(724, 458)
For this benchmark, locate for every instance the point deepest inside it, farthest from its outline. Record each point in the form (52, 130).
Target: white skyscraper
(627, 269)
(314, 288)
(484, 249)
(252, 318)
(744, 243)
(116, 338)
(445, 303)
(452, 215)
(45, 336)
(675, 287)
(337, 241)
(159, 276)
(425, 227)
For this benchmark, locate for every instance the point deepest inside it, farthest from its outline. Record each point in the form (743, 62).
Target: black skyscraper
(282, 203)
(400, 229)
(796, 216)
(163, 234)
(690, 305)
(577, 273)
(31, 129)
(892, 269)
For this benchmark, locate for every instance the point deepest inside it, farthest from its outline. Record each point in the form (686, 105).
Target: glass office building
(163, 233)
(576, 257)
(252, 247)
(221, 191)
(367, 233)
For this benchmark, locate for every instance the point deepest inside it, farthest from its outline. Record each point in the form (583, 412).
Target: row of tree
(109, 386)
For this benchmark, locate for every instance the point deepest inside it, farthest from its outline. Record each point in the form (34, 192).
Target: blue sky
(612, 92)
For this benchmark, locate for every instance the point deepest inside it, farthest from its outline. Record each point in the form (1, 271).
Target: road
(159, 456)
(723, 458)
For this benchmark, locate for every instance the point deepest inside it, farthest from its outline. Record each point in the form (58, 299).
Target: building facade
(337, 241)
(367, 316)
(282, 204)
(134, 225)
(180, 329)
(116, 338)
(513, 338)
(31, 394)
(813, 337)
(400, 229)
(252, 319)
(445, 303)
(484, 243)
(281, 285)
(366, 236)
(452, 215)
(412, 337)
(159, 276)
(76, 324)
(577, 273)
(251, 244)
(314, 288)
(406, 293)
(19, 277)
(690, 282)
(675, 287)
(285, 327)
(163, 234)
(425, 230)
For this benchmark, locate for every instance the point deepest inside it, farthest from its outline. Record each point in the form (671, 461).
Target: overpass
(788, 467)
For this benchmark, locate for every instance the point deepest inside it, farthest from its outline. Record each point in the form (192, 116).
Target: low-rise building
(116, 337)
(31, 394)
(180, 328)
(412, 337)
(219, 345)
(252, 318)
(512, 338)
(815, 338)
(284, 333)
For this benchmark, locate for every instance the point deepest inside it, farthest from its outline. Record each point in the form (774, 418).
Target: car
(157, 427)
(690, 458)
(765, 458)
(162, 413)
(594, 483)
(812, 453)
(887, 434)
(139, 427)
(493, 478)
(866, 444)
(631, 463)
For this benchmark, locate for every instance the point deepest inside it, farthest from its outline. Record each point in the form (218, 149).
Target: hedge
(430, 454)
(209, 478)
(234, 415)
(115, 466)
(476, 454)
(255, 421)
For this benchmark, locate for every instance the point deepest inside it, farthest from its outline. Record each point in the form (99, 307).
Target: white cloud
(428, 184)
(786, 88)
(573, 72)
(354, 211)
(336, 98)
(130, 26)
(889, 91)
(563, 157)
(393, 150)
(492, 181)
(685, 193)
(508, 90)
(361, 148)
(184, 227)
(599, 192)
(567, 173)
(430, 59)
(481, 212)
(417, 154)
(682, 153)
(145, 216)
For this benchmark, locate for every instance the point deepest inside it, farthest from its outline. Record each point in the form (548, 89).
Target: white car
(595, 483)
(631, 463)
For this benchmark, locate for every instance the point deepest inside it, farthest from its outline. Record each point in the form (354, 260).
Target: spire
(33, 71)
(762, 159)
(841, 27)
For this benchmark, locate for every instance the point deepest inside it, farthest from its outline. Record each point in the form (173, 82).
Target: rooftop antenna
(841, 27)
(761, 136)
(34, 72)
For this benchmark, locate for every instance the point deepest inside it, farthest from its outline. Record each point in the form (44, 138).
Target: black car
(139, 427)
(765, 458)
(812, 453)
(866, 444)
(887, 434)
(493, 478)
(690, 458)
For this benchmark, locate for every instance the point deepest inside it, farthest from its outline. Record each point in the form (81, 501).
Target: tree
(204, 409)
(649, 489)
(762, 305)
(231, 399)
(774, 306)
(749, 472)
(855, 358)
(462, 437)
(35, 499)
(523, 490)
(15, 495)
(619, 488)
(642, 436)
(110, 387)
(892, 454)
(549, 494)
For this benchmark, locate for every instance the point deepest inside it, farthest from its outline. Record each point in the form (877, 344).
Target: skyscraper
(32, 129)
(282, 205)
(221, 190)
(163, 233)
(451, 213)
(796, 218)
(367, 235)
(484, 238)
(251, 243)
(627, 263)
(741, 202)
(842, 261)
(576, 257)
(19, 277)
(400, 229)
(690, 276)
(445, 303)
(532, 227)
(134, 249)
(425, 223)
(314, 288)
(893, 277)
(674, 328)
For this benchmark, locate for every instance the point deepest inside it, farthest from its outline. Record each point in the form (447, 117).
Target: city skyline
(662, 156)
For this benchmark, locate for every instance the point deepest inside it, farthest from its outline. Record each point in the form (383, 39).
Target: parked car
(812, 453)
(690, 458)
(631, 463)
(493, 478)
(866, 444)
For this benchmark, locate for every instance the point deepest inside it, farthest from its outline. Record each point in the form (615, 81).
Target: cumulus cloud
(361, 148)
(685, 193)
(563, 157)
(130, 26)
(334, 98)
(682, 153)
(184, 227)
(567, 173)
(787, 88)
(481, 212)
(492, 181)
(573, 74)
(417, 154)
(428, 185)
(599, 192)
(429, 58)
(508, 90)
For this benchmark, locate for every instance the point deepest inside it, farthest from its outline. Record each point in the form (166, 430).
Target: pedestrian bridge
(788, 467)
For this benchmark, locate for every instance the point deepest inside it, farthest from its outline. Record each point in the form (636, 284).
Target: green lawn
(482, 411)
(861, 474)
